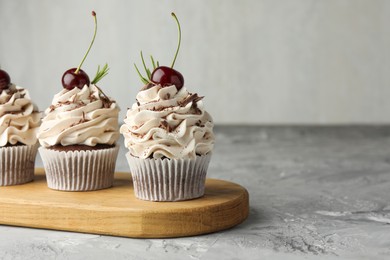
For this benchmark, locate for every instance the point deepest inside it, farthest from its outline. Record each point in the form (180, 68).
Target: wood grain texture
(117, 212)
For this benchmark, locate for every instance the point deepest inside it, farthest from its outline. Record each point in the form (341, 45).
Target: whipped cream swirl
(80, 117)
(165, 122)
(19, 117)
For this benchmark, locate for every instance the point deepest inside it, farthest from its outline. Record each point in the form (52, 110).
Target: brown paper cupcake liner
(79, 170)
(168, 179)
(17, 164)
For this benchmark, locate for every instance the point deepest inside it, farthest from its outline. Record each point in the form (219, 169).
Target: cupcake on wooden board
(79, 133)
(169, 136)
(19, 123)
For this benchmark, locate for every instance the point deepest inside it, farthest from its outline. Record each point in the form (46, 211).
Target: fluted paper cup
(79, 170)
(168, 179)
(17, 164)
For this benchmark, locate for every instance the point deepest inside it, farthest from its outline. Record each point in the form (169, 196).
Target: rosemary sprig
(101, 73)
(146, 79)
(153, 63)
(145, 68)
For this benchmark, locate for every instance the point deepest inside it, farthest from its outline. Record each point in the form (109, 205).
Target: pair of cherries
(163, 75)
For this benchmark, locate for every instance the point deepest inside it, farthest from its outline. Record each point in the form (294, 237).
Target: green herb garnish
(146, 79)
(101, 73)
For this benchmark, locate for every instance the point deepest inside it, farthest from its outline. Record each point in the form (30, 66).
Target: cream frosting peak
(19, 117)
(80, 116)
(166, 122)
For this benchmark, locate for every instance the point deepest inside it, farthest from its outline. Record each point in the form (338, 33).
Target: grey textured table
(315, 193)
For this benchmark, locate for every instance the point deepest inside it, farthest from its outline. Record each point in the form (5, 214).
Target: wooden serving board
(117, 212)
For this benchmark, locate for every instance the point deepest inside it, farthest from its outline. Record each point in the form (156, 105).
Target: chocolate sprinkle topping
(191, 98)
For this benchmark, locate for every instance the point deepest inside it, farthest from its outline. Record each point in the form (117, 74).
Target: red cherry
(70, 79)
(166, 76)
(5, 80)
(76, 77)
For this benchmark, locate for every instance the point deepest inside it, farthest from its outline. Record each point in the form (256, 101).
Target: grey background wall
(292, 61)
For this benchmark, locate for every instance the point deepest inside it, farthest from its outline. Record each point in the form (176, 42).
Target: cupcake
(79, 133)
(169, 136)
(19, 123)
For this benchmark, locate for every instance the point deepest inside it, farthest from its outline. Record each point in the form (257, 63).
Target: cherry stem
(90, 45)
(179, 41)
